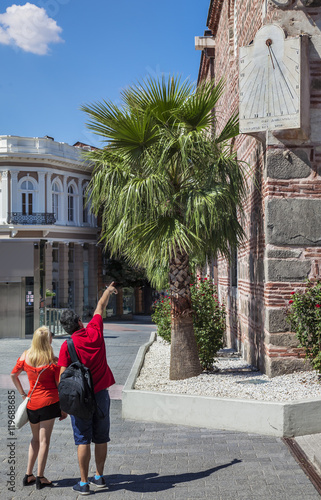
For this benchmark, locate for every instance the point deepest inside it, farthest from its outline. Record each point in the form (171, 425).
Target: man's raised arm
(104, 299)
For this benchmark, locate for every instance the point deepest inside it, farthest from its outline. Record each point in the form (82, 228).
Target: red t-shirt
(91, 351)
(46, 392)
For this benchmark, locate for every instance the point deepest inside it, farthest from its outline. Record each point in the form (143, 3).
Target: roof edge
(214, 14)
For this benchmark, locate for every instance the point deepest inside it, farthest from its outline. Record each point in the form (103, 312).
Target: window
(27, 189)
(55, 205)
(71, 204)
(85, 217)
(55, 199)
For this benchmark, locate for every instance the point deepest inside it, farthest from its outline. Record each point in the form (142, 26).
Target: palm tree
(167, 189)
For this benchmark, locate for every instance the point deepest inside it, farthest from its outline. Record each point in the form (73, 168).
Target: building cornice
(49, 161)
(54, 233)
(214, 14)
(33, 165)
(41, 150)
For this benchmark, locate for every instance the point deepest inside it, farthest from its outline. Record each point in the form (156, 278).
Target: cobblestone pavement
(151, 461)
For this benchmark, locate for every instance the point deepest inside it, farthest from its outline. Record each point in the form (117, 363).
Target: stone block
(315, 113)
(286, 270)
(288, 340)
(243, 270)
(275, 321)
(294, 221)
(256, 269)
(281, 366)
(283, 253)
(288, 164)
(316, 82)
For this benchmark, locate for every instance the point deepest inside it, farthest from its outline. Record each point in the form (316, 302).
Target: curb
(288, 419)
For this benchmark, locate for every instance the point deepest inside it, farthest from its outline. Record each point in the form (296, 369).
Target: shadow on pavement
(152, 482)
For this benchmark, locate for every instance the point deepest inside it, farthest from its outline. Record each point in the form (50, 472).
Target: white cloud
(29, 28)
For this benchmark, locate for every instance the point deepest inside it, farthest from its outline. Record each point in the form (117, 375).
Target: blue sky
(58, 54)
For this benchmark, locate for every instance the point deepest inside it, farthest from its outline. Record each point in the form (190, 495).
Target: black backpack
(76, 388)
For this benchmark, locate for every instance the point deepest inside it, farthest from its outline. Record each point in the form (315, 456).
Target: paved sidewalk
(311, 446)
(152, 461)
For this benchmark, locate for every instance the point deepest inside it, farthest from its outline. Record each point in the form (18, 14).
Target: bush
(304, 316)
(162, 317)
(208, 319)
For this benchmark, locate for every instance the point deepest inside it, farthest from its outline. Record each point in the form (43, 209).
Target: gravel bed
(234, 378)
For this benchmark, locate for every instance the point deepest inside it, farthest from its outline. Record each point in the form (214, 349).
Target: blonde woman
(43, 406)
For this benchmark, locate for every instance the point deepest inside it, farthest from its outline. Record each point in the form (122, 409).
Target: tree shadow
(151, 482)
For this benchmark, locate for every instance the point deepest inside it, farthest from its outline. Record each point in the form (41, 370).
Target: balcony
(37, 218)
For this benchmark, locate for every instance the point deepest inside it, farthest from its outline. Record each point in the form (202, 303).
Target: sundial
(273, 82)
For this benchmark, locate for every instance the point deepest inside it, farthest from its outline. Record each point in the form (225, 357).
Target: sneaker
(100, 482)
(82, 490)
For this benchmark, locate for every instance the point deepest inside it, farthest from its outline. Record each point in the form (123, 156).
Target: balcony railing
(37, 218)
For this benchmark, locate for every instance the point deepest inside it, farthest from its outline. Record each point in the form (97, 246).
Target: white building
(47, 235)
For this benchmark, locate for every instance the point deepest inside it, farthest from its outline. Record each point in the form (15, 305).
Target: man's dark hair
(69, 321)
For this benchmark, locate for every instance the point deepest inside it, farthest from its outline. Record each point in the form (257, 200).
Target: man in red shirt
(90, 348)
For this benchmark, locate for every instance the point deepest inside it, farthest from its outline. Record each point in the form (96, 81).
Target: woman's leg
(33, 448)
(44, 436)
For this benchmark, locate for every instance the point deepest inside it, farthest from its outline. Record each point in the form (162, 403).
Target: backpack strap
(72, 351)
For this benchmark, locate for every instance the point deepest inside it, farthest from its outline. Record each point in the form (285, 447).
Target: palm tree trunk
(184, 362)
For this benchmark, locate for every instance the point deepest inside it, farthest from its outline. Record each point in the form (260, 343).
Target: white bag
(21, 417)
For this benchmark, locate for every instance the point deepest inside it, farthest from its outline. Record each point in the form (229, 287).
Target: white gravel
(234, 379)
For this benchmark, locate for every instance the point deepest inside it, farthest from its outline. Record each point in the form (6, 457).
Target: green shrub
(162, 317)
(208, 318)
(209, 321)
(304, 316)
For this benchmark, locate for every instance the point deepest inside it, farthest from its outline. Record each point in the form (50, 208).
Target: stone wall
(283, 206)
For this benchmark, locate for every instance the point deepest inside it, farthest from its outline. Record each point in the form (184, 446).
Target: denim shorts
(96, 429)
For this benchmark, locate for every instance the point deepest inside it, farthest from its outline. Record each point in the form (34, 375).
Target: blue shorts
(96, 429)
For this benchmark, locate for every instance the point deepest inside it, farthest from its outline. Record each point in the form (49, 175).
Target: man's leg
(82, 434)
(101, 435)
(100, 457)
(84, 459)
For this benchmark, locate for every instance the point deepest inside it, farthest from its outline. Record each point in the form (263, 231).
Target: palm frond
(159, 96)
(230, 130)
(197, 111)
(163, 181)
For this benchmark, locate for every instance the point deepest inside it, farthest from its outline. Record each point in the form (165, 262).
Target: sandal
(40, 485)
(25, 481)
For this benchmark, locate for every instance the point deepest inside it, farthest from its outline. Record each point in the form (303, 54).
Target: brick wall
(283, 236)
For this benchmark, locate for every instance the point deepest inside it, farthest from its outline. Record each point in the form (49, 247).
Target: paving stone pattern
(153, 461)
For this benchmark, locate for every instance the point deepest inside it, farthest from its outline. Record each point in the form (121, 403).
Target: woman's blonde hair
(41, 352)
